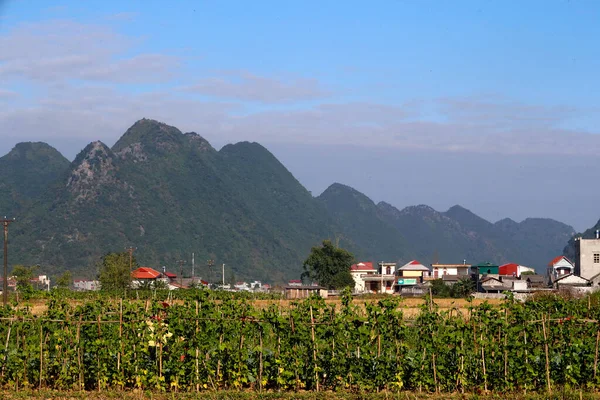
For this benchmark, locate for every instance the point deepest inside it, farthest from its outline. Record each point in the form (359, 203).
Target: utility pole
(193, 276)
(223, 275)
(181, 262)
(210, 264)
(5, 223)
(130, 250)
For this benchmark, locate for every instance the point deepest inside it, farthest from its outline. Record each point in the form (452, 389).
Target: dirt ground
(410, 305)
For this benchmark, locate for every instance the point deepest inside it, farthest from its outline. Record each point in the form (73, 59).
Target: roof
(290, 281)
(309, 287)
(555, 260)
(536, 278)
(170, 275)
(362, 266)
(571, 279)
(484, 264)
(451, 265)
(145, 273)
(453, 278)
(413, 265)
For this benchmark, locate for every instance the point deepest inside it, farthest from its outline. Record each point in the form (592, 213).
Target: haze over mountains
(170, 193)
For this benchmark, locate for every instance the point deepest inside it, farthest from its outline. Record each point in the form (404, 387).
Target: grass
(410, 305)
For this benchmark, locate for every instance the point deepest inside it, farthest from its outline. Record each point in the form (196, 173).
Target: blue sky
(462, 79)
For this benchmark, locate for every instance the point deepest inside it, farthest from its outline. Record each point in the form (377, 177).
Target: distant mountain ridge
(170, 193)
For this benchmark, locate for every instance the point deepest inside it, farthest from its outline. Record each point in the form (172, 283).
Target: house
(382, 281)
(493, 284)
(440, 270)
(359, 269)
(144, 275)
(587, 257)
(302, 292)
(570, 281)
(558, 267)
(484, 268)
(85, 285)
(410, 275)
(536, 281)
(514, 269)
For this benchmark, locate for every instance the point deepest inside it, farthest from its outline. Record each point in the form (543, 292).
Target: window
(596, 258)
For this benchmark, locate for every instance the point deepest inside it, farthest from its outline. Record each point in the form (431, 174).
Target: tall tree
(64, 281)
(115, 272)
(330, 266)
(23, 275)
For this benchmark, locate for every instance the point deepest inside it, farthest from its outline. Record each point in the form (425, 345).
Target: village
(485, 279)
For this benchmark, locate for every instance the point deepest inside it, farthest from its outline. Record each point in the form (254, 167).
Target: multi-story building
(587, 257)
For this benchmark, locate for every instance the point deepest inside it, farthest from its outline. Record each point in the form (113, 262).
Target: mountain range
(168, 194)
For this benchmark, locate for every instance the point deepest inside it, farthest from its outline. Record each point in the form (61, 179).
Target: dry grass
(410, 306)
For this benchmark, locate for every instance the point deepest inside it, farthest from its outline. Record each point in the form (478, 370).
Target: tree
(330, 266)
(114, 271)
(463, 287)
(64, 281)
(23, 275)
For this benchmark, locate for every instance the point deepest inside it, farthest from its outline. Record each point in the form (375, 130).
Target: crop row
(229, 344)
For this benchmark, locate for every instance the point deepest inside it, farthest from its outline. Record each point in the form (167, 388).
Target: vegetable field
(209, 345)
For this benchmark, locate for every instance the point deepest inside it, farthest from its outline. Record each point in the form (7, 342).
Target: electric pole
(5, 223)
(193, 276)
(210, 263)
(130, 250)
(223, 277)
(181, 262)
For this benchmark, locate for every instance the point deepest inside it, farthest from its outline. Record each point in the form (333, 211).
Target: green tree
(64, 281)
(330, 266)
(439, 288)
(115, 272)
(23, 275)
(463, 288)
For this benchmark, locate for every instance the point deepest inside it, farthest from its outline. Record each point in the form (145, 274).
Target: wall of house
(359, 284)
(412, 274)
(586, 249)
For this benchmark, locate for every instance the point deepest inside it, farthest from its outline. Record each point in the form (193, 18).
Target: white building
(559, 266)
(587, 259)
(440, 270)
(357, 270)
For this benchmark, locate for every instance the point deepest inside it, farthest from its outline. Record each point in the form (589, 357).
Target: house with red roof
(559, 266)
(145, 273)
(357, 271)
(514, 269)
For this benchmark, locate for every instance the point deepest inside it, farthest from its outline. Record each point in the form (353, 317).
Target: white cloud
(74, 74)
(58, 51)
(250, 87)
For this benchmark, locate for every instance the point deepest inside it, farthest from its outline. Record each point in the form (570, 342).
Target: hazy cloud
(4, 93)
(56, 51)
(250, 87)
(75, 75)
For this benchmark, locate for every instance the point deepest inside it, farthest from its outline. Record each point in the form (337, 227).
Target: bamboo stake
(312, 328)
(260, 362)
(547, 356)
(79, 366)
(197, 353)
(6, 348)
(596, 355)
(41, 352)
(483, 362)
(120, 335)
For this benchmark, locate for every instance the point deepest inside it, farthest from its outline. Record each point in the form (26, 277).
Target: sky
(493, 105)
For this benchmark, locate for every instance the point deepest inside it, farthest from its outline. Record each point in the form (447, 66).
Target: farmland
(207, 345)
